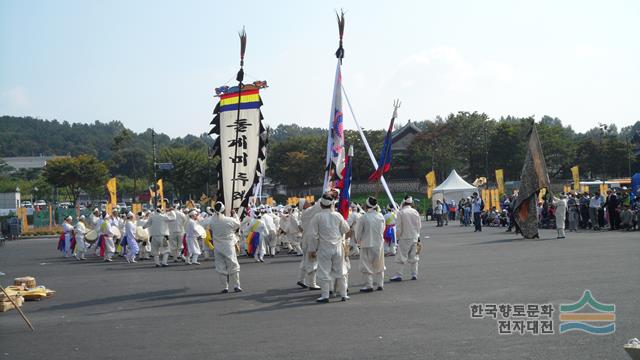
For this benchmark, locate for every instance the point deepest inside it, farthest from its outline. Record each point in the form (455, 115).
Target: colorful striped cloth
(253, 239)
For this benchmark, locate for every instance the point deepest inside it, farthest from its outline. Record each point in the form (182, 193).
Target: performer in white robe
(206, 243)
(560, 203)
(98, 228)
(272, 231)
(391, 247)
(273, 224)
(193, 247)
(80, 231)
(130, 241)
(352, 220)
(326, 242)
(67, 228)
(176, 238)
(258, 225)
(408, 233)
(107, 237)
(94, 218)
(308, 265)
(143, 244)
(369, 229)
(158, 225)
(225, 242)
(291, 229)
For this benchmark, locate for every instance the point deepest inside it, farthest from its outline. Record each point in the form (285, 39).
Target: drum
(115, 232)
(202, 233)
(142, 234)
(91, 236)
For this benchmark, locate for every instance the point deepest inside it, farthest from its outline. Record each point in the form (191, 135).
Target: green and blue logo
(572, 317)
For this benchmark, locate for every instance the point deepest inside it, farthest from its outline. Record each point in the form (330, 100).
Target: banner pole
(366, 145)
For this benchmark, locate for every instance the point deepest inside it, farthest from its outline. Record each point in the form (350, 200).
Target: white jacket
(326, 227)
(158, 223)
(178, 225)
(269, 224)
(223, 231)
(369, 229)
(408, 224)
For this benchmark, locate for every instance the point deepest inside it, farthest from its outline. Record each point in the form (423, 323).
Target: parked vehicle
(40, 203)
(26, 204)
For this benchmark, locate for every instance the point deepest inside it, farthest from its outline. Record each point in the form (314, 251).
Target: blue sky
(156, 63)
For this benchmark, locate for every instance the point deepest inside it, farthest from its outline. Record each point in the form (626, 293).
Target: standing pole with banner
(371, 156)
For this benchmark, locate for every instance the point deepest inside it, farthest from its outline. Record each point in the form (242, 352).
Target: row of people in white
(324, 244)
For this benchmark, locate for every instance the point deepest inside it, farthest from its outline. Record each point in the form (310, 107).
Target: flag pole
(338, 75)
(366, 145)
(239, 78)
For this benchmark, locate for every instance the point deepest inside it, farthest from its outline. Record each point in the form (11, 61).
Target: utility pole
(155, 173)
(486, 150)
(628, 155)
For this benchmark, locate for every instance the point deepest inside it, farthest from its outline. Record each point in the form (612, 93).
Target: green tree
(75, 174)
(189, 175)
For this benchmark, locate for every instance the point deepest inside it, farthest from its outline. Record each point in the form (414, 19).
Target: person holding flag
(326, 243)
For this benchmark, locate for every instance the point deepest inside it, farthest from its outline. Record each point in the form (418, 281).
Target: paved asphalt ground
(135, 311)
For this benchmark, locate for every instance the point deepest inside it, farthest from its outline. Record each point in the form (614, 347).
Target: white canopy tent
(453, 188)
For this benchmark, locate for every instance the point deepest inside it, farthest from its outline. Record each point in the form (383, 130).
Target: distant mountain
(27, 136)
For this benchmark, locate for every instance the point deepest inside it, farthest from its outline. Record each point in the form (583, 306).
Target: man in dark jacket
(611, 204)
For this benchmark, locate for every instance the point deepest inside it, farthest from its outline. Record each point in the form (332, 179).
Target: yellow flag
(575, 172)
(136, 208)
(486, 199)
(111, 187)
(566, 188)
(160, 187)
(603, 189)
(495, 199)
(500, 180)
(431, 182)
(269, 201)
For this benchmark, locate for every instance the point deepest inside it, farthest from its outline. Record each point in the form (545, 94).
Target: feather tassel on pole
(340, 51)
(243, 48)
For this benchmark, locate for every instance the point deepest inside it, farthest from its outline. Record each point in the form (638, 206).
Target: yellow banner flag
(270, 201)
(431, 182)
(585, 188)
(111, 188)
(160, 187)
(575, 172)
(495, 199)
(603, 189)
(136, 208)
(500, 180)
(566, 188)
(486, 199)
